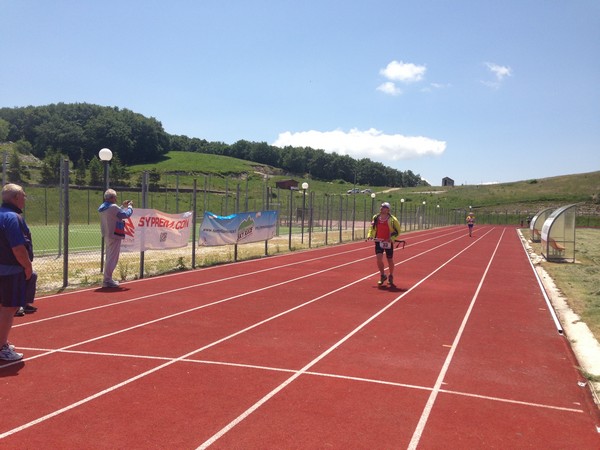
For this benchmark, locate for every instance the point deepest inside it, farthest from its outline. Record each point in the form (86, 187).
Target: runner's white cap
(385, 205)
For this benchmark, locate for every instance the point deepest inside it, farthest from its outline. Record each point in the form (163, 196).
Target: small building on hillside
(287, 184)
(447, 182)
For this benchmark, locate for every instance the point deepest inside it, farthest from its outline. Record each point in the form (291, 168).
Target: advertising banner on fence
(239, 228)
(149, 229)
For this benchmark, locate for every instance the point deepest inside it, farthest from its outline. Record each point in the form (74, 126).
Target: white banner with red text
(149, 229)
(241, 228)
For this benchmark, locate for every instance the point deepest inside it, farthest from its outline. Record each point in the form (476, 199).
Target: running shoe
(391, 280)
(110, 284)
(8, 354)
(382, 279)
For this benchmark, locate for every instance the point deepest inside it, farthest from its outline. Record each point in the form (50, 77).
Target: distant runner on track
(385, 228)
(471, 223)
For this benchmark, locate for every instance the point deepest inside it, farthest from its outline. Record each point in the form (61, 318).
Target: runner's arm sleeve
(372, 229)
(396, 226)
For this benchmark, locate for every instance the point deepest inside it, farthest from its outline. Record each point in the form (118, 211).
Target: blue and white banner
(239, 228)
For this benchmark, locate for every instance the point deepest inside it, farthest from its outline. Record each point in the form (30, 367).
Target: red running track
(304, 351)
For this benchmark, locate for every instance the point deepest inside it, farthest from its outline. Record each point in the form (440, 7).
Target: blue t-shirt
(11, 235)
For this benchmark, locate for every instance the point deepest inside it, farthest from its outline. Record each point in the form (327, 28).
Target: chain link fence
(65, 226)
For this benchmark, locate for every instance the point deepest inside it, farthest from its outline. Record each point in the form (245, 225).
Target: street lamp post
(401, 208)
(372, 203)
(105, 156)
(310, 217)
(290, 235)
(304, 188)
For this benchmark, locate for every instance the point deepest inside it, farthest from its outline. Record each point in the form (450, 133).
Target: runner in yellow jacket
(385, 228)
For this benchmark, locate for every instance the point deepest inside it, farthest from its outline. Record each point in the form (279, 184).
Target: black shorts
(389, 252)
(12, 290)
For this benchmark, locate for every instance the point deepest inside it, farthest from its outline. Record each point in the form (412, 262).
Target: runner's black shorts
(389, 252)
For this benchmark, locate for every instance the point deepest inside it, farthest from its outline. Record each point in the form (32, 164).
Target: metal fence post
(310, 218)
(4, 168)
(290, 230)
(326, 217)
(60, 208)
(144, 203)
(65, 170)
(341, 217)
(194, 224)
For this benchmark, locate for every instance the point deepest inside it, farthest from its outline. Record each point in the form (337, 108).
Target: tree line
(78, 131)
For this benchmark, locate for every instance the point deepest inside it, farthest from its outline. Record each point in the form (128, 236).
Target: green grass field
(579, 282)
(48, 239)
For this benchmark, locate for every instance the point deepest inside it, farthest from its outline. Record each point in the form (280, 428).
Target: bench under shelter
(558, 235)
(536, 224)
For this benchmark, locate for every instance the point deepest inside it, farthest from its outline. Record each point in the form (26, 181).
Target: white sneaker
(110, 284)
(8, 354)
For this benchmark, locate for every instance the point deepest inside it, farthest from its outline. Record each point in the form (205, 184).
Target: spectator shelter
(537, 223)
(558, 235)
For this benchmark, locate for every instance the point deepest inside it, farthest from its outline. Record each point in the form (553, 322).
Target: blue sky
(480, 90)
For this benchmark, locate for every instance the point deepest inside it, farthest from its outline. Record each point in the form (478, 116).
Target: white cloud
(372, 144)
(389, 88)
(499, 72)
(403, 72)
(435, 86)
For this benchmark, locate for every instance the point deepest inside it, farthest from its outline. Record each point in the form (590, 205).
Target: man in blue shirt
(15, 265)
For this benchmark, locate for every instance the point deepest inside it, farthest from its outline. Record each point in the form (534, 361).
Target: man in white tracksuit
(113, 230)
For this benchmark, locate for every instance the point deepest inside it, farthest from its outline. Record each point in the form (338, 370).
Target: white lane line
(414, 442)
(550, 308)
(183, 288)
(438, 235)
(205, 283)
(217, 267)
(316, 374)
(188, 355)
(305, 369)
(207, 305)
(173, 361)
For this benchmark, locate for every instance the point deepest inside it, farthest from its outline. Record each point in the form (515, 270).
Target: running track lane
(188, 399)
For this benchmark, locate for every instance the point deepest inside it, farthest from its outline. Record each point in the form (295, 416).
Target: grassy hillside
(522, 195)
(528, 195)
(220, 173)
(199, 163)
